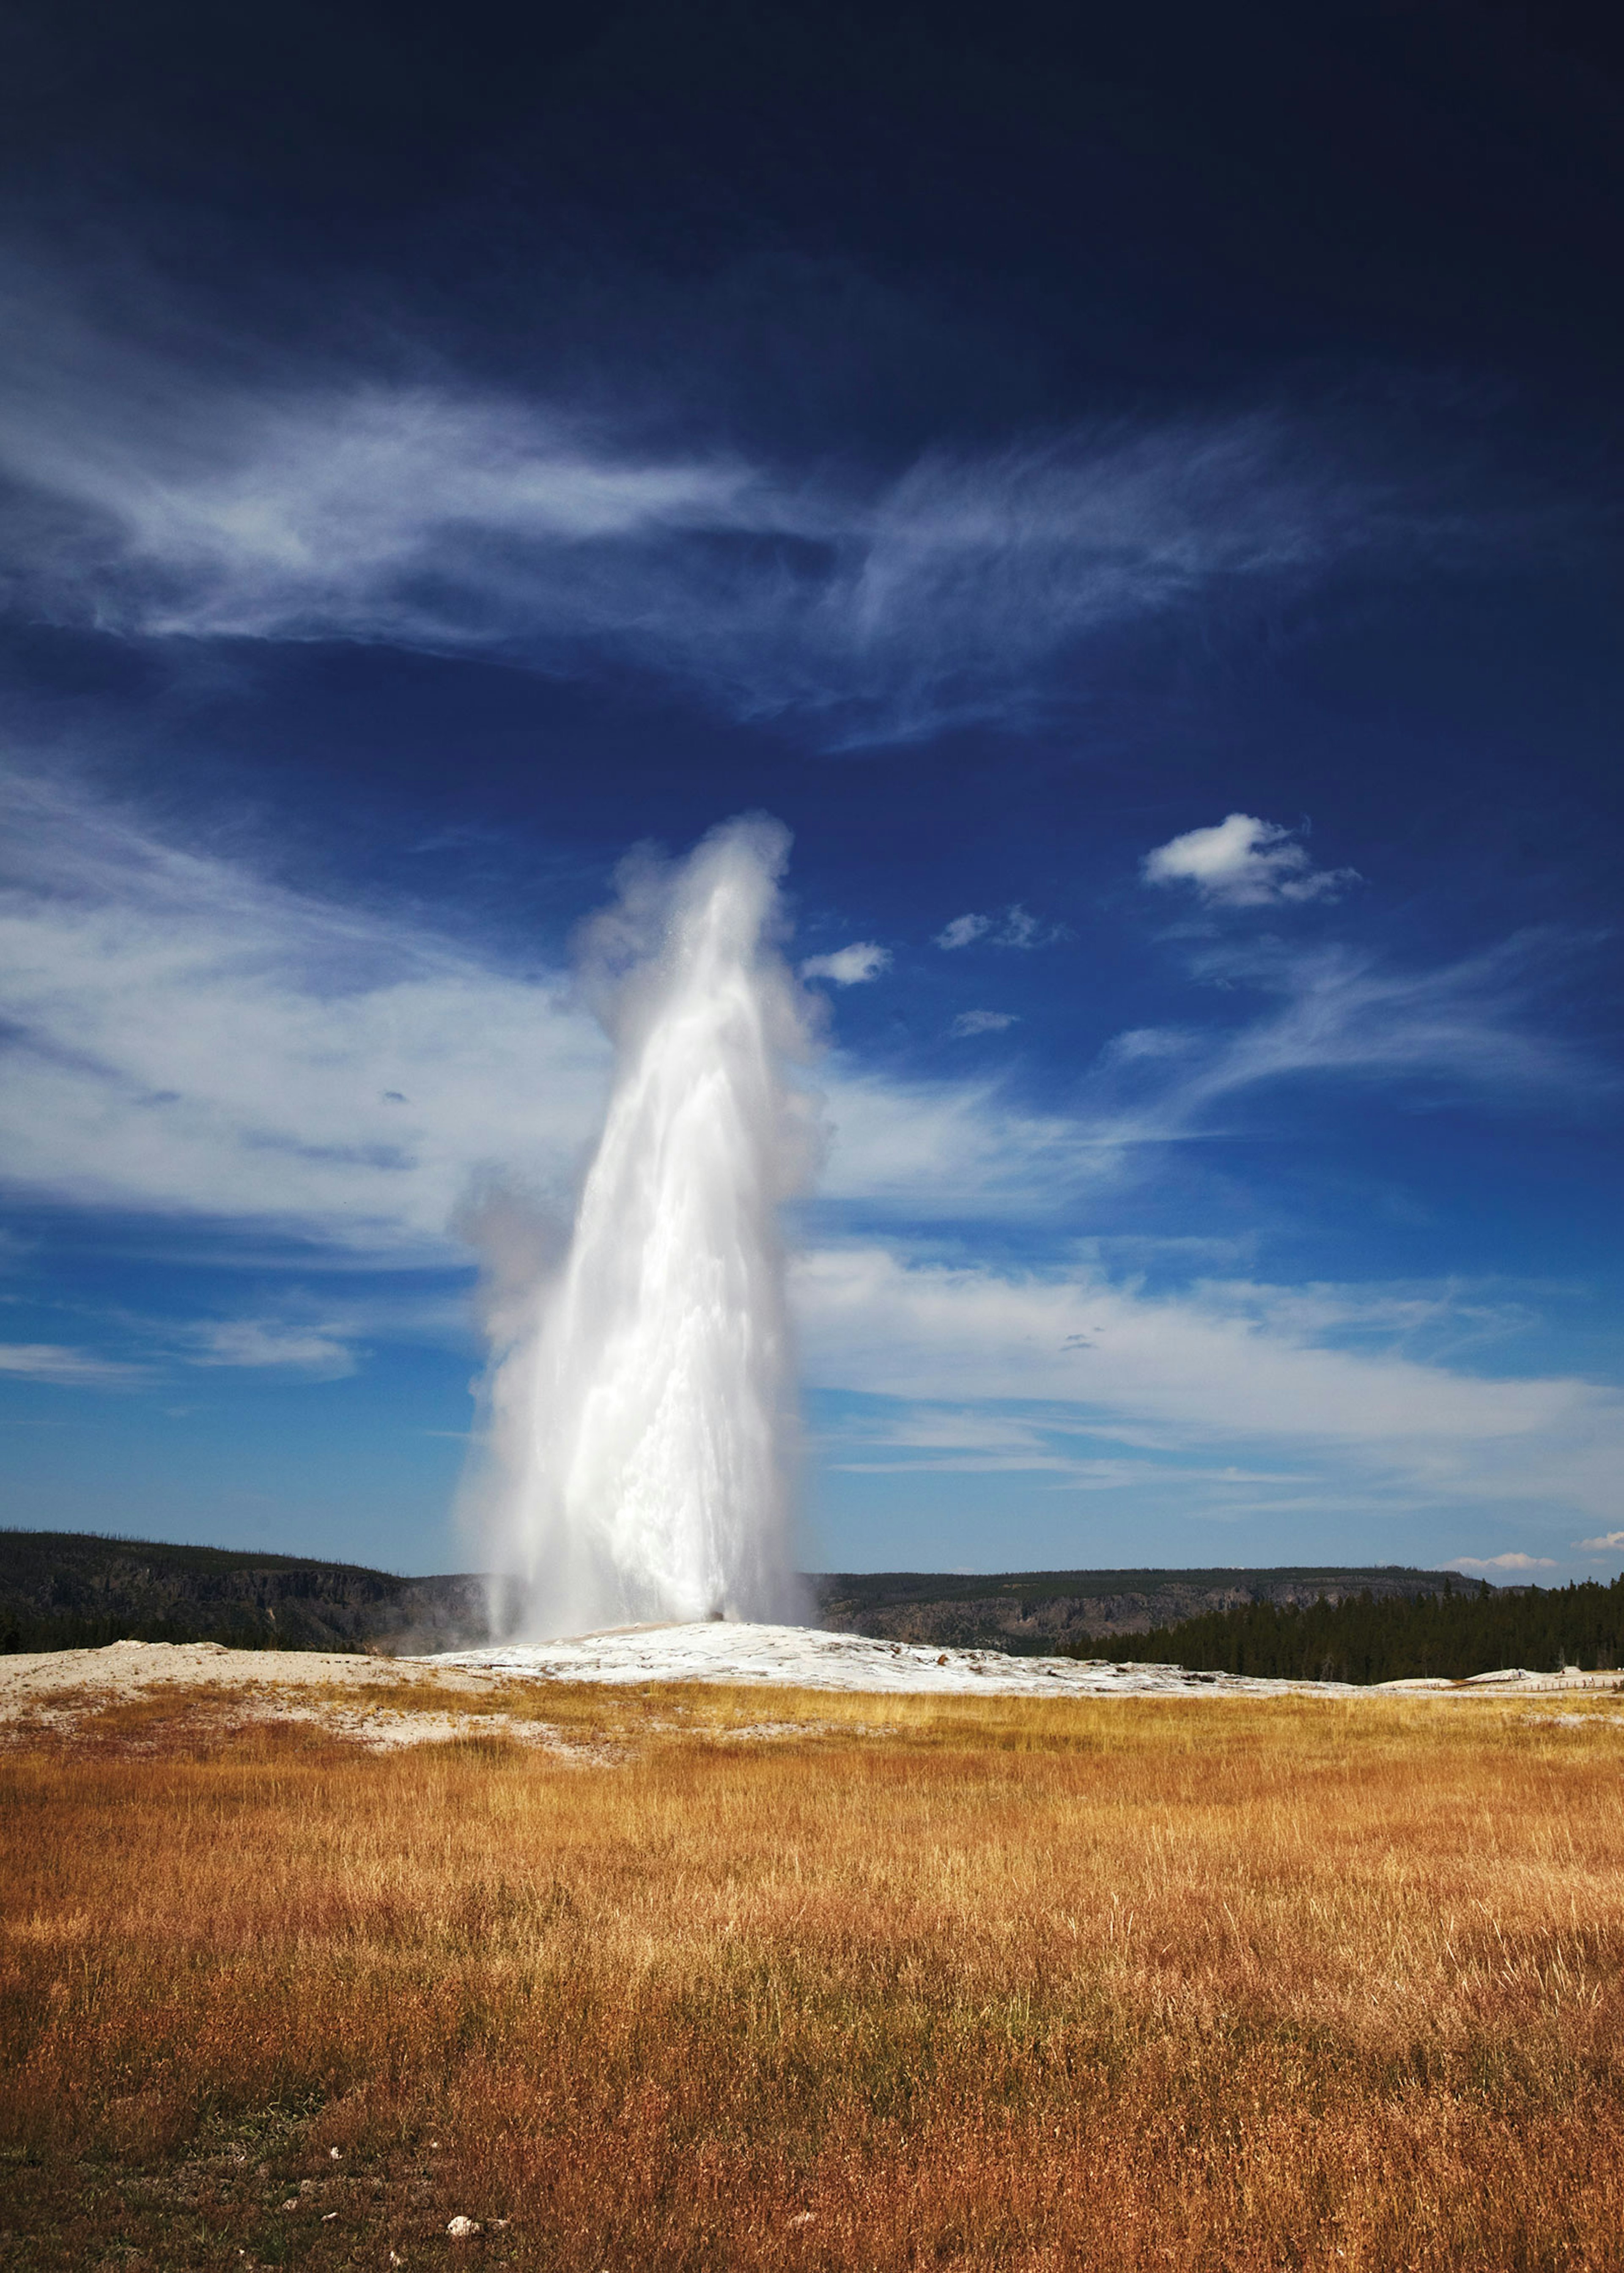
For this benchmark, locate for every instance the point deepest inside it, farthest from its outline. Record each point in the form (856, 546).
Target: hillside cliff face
(64, 1590)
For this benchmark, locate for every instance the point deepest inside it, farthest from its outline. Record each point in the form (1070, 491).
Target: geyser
(644, 1422)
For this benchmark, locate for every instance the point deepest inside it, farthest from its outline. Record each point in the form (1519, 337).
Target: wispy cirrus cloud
(66, 1367)
(265, 1345)
(295, 504)
(1194, 1372)
(1336, 1012)
(256, 1345)
(885, 1438)
(183, 1035)
(1082, 1337)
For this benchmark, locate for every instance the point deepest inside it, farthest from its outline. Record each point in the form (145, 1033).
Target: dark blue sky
(1136, 493)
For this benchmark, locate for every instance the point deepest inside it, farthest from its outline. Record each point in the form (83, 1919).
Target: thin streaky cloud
(1343, 1014)
(186, 1038)
(265, 1346)
(153, 502)
(65, 1368)
(1183, 1374)
(1514, 1562)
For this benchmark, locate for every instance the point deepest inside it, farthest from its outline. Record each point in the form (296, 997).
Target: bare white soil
(54, 1690)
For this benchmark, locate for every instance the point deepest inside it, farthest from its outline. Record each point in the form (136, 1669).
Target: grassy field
(940, 1983)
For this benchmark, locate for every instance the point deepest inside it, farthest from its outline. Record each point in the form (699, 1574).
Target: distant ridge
(1041, 1610)
(80, 1590)
(77, 1590)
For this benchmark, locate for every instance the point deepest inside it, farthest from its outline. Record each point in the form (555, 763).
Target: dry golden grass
(1000, 1982)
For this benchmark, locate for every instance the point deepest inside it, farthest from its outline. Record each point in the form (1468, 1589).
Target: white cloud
(1020, 929)
(848, 966)
(183, 1035)
(321, 504)
(1140, 1043)
(983, 1022)
(963, 931)
(979, 1440)
(1244, 862)
(1194, 1372)
(179, 1035)
(1611, 1542)
(928, 1151)
(65, 1368)
(1502, 1563)
(1341, 1013)
(267, 1345)
(1017, 928)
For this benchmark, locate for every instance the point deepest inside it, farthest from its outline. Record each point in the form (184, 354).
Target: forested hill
(76, 1590)
(1466, 1630)
(1035, 1612)
(68, 1590)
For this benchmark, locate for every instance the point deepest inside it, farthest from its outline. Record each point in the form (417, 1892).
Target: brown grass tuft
(906, 1983)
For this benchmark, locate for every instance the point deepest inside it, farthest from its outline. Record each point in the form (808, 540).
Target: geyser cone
(653, 1406)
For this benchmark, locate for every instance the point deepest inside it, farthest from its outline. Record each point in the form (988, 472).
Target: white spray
(644, 1424)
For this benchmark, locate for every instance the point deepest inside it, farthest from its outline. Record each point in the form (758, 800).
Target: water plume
(643, 1421)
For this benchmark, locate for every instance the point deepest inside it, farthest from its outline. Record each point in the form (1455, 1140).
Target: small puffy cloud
(1611, 1542)
(983, 1022)
(1502, 1563)
(963, 931)
(1245, 862)
(1017, 927)
(64, 1369)
(848, 966)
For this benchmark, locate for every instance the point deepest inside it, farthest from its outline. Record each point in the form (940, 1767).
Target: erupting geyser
(646, 1421)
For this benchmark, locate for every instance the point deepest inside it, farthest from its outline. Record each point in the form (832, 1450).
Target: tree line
(1363, 1638)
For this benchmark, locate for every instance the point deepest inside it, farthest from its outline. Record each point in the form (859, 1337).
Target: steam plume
(643, 1421)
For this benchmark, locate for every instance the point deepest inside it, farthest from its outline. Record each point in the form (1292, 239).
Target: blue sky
(1140, 502)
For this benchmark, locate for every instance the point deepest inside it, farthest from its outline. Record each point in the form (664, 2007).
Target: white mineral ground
(413, 1700)
(802, 1657)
